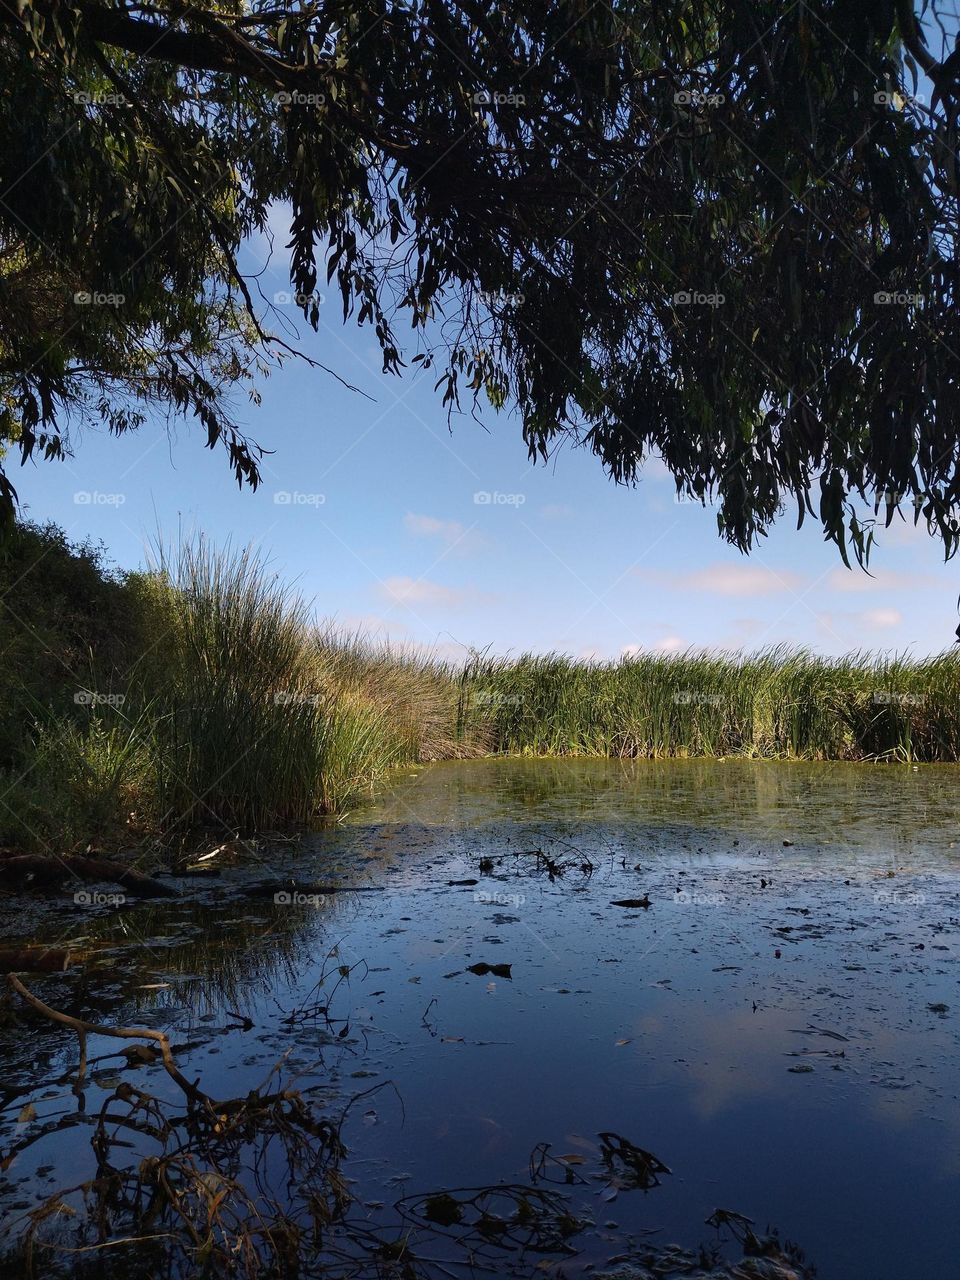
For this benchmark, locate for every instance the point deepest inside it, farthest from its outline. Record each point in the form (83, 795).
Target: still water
(778, 1027)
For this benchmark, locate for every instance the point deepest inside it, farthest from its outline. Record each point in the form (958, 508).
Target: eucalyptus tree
(720, 231)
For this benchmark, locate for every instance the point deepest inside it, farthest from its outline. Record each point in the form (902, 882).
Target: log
(84, 1028)
(45, 869)
(36, 959)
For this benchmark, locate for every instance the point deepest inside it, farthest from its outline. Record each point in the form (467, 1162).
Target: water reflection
(779, 1027)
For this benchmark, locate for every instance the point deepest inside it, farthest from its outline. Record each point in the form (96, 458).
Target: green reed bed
(204, 693)
(776, 703)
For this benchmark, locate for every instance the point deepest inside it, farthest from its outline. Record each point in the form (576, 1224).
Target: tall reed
(221, 702)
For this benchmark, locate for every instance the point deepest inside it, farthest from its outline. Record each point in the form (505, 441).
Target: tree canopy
(724, 232)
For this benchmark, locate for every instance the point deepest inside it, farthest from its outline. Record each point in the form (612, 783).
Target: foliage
(721, 232)
(777, 703)
(203, 694)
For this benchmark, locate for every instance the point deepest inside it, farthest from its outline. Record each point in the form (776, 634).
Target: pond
(625, 994)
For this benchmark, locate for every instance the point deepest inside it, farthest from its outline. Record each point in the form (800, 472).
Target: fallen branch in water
(29, 869)
(36, 959)
(84, 1028)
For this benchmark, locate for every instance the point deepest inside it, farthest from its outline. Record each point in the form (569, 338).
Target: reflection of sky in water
(676, 1027)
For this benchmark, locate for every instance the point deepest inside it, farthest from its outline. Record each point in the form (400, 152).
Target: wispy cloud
(886, 580)
(556, 511)
(421, 592)
(667, 644)
(452, 532)
(859, 627)
(736, 580)
(882, 617)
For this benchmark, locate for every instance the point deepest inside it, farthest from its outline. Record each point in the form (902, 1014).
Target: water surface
(779, 1027)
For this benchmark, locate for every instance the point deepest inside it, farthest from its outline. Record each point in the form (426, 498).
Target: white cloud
(431, 527)
(420, 591)
(856, 580)
(452, 532)
(667, 644)
(737, 580)
(882, 617)
(656, 469)
(371, 624)
(857, 627)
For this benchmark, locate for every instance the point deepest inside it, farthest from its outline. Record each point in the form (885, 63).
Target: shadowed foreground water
(779, 1027)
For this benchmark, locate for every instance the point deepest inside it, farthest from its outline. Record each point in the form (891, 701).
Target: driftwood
(84, 1028)
(44, 869)
(142, 1053)
(36, 959)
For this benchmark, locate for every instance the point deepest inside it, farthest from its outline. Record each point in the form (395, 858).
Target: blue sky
(371, 506)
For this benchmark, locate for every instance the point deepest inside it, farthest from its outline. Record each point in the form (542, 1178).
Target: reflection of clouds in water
(849, 809)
